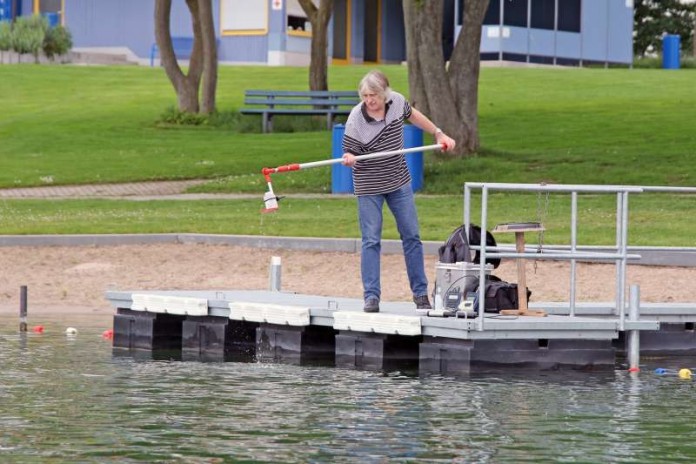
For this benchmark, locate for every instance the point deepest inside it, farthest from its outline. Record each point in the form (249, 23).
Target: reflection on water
(75, 400)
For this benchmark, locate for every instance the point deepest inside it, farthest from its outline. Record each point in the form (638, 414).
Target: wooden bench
(287, 102)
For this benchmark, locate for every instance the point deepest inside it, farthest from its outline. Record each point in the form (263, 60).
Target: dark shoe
(371, 305)
(422, 303)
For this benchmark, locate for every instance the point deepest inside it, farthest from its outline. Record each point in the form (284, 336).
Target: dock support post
(274, 274)
(23, 308)
(445, 356)
(634, 335)
(376, 351)
(146, 331)
(295, 344)
(213, 338)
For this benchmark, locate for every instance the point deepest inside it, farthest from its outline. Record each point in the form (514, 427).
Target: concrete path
(139, 191)
(130, 189)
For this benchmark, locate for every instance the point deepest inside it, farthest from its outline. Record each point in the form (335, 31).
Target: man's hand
(349, 159)
(444, 139)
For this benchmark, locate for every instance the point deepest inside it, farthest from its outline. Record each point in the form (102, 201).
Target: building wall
(606, 31)
(126, 23)
(605, 34)
(130, 23)
(27, 6)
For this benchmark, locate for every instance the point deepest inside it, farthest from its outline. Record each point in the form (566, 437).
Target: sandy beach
(74, 279)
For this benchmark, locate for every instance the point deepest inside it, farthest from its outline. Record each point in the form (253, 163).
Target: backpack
(456, 248)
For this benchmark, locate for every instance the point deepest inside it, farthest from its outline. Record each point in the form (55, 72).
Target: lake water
(72, 399)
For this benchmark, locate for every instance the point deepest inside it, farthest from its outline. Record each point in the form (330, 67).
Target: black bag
(456, 248)
(501, 295)
(475, 239)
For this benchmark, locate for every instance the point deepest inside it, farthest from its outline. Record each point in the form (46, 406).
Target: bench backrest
(328, 98)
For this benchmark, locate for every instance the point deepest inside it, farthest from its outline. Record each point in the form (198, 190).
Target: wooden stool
(519, 228)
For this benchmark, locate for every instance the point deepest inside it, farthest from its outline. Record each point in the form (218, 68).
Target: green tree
(652, 19)
(58, 41)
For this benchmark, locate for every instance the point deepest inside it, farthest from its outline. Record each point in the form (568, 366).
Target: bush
(58, 41)
(5, 38)
(28, 35)
(181, 118)
(655, 62)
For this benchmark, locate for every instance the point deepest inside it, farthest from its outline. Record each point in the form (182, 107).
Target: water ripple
(74, 400)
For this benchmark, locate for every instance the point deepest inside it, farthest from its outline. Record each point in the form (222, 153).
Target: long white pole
(382, 154)
(296, 167)
(271, 200)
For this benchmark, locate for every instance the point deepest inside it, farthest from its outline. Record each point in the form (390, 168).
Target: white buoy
(71, 331)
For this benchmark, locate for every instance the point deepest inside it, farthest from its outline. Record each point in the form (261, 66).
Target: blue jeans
(403, 207)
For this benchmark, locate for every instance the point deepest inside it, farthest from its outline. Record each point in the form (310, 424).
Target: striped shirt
(364, 135)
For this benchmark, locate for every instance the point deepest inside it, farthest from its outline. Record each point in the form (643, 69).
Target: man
(377, 125)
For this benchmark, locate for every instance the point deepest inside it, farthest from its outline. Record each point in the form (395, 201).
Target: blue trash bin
(670, 51)
(413, 137)
(341, 176)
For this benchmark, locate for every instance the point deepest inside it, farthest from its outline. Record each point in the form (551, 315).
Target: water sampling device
(270, 200)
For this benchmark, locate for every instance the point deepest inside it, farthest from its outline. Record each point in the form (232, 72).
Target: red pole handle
(286, 168)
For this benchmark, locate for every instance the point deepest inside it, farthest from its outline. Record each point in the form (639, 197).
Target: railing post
(573, 248)
(622, 265)
(482, 255)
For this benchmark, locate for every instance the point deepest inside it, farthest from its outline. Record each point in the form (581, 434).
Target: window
(297, 19)
(543, 14)
(569, 15)
(515, 13)
(493, 13)
(243, 16)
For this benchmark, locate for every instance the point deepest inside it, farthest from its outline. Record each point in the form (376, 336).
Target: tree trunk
(416, 85)
(195, 70)
(693, 40)
(442, 106)
(448, 96)
(319, 19)
(210, 61)
(186, 93)
(465, 65)
(203, 58)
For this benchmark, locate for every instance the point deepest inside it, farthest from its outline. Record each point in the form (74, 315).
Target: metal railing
(619, 253)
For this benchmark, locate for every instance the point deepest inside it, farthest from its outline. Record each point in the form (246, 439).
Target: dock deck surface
(334, 311)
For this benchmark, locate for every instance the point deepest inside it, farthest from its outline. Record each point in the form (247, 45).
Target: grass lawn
(655, 219)
(64, 125)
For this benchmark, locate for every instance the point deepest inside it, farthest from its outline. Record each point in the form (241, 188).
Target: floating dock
(288, 327)
(677, 334)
